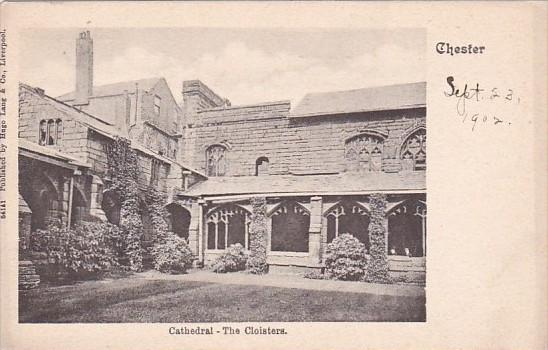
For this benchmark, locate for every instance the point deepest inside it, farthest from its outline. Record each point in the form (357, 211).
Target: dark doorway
(290, 227)
(178, 220)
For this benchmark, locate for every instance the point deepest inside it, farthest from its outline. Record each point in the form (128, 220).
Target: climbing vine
(156, 202)
(378, 264)
(123, 170)
(256, 263)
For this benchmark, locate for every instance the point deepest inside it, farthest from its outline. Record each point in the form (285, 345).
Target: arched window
(216, 164)
(348, 217)
(407, 229)
(50, 132)
(59, 129)
(290, 227)
(227, 225)
(42, 133)
(261, 166)
(363, 153)
(413, 151)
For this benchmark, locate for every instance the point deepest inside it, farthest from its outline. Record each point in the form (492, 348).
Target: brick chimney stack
(84, 68)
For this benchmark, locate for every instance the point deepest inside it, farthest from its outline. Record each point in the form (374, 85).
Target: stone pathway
(288, 281)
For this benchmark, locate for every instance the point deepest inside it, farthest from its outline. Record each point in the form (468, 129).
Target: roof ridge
(365, 88)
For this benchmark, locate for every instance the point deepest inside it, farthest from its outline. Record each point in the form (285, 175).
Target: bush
(345, 258)
(256, 263)
(172, 255)
(232, 260)
(316, 275)
(87, 247)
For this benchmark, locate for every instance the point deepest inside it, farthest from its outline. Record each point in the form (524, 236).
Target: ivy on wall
(256, 263)
(123, 170)
(377, 270)
(156, 201)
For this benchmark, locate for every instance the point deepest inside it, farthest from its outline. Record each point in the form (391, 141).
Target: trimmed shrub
(172, 255)
(345, 258)
(89, 247)
(378, 265)
(316, 275)
(256, 263)
(232, 260)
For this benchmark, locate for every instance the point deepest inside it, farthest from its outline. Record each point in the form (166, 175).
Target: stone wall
(157, 140)
(293, 145)
(33, 108)
(170, 113)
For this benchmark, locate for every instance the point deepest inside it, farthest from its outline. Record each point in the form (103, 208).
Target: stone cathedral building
(316, 163)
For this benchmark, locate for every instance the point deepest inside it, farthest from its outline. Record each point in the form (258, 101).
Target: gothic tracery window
(348, 217)
(216, 160)
(363, 153)
(413, 152)
(227, 225)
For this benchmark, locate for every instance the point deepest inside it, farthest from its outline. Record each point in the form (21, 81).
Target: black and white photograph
(222, 175)
(248, 175)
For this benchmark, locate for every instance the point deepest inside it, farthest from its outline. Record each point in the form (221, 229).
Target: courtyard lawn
(142, 300)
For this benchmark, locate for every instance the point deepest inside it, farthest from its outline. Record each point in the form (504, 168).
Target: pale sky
(243, 65)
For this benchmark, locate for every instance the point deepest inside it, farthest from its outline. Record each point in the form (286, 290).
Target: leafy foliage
(316, 275)
(156, 201)
(346, 259)
(233, 259)
(256, 263)
(87, 247)
(378, 264)
(172, 255)
(124, 171)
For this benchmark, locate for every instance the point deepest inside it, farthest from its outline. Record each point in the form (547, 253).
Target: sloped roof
(85, 118)
(390, 97)
(116, 88)
(311, 184)
(93, 123)
(50, 153)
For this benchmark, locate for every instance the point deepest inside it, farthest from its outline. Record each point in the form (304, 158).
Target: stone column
(314, 235)
(64, 203)
(193, 229)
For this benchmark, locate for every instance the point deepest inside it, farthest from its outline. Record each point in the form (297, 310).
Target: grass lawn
(140, 300)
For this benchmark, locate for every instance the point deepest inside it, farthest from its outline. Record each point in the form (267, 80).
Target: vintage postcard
(247, 175)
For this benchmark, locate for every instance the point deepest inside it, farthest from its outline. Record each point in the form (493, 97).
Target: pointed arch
(227, 224)
(348, 216)
(413, 149)
(216, 160)
(79, 210)
(407, 228)
(43, 199)
(363, 152)
(290, 227)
